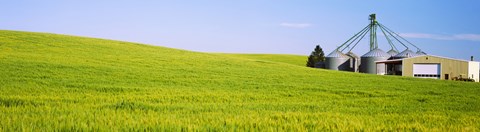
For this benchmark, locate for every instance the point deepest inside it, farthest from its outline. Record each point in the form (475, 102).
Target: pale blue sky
(438, 27)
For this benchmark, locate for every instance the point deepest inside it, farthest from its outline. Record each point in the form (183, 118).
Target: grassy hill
(282, 58)
(58, 82)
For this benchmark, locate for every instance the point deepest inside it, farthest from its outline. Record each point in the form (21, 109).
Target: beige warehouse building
(428, 66)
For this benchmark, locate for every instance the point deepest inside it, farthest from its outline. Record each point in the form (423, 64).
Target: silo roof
(392, 52)
(421, 53)
(406, 53)
(376, 53)
(337, 54)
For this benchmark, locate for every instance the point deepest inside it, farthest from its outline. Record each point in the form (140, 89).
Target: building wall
(454, 68)
(473, 70)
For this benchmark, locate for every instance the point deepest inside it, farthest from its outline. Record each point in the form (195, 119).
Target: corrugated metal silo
(337, 61)
(368, 60)
(392, 52)
(405, 54)
(354, 61)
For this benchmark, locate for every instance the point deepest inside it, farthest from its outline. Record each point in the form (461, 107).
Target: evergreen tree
(316, 56)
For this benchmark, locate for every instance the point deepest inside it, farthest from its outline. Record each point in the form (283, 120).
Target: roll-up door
(426, 70)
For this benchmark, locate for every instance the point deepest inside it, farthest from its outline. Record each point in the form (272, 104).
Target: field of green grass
(279, 58)
(66, 83)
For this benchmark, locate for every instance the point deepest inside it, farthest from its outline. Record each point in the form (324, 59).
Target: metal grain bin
(368, 60)
(392, 52)
(337, 61)
(354, 62)
(405, 54)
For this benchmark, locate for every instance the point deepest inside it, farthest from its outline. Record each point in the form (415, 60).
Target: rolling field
(281, 58)
(66, 83)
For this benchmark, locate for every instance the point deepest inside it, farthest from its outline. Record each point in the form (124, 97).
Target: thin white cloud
(295, 25)
(470, 37)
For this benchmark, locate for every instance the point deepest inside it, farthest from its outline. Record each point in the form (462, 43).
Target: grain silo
(392, 52)
(337, 61)
(405, 54)
(354, 61)
(367, 63)
(368, 60)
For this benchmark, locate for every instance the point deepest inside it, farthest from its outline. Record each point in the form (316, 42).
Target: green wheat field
(52, 82)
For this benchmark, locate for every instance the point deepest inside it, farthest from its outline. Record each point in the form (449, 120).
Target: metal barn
(429, 66)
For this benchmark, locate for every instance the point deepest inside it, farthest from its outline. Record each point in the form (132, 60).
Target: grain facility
(405, 63)
(429, 66)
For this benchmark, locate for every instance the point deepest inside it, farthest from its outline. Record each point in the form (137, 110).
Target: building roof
(390, 61)
(440, 57)
(405, 54)
(337, 54)
(376, 53)
(400, 60)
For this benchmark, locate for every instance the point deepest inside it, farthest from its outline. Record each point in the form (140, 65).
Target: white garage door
(426, 70)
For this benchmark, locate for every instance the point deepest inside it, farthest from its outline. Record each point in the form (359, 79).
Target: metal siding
(337, 61)
(447, 66)
(334, 63)
(354, 61)
(368, 64)
(473, 70)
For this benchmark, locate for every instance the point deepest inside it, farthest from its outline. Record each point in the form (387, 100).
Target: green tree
(316, 56)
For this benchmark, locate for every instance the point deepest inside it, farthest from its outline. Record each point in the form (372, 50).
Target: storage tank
(405, 54)
(392, 52)
(368, 60)
(337, 61)
(354, 61)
